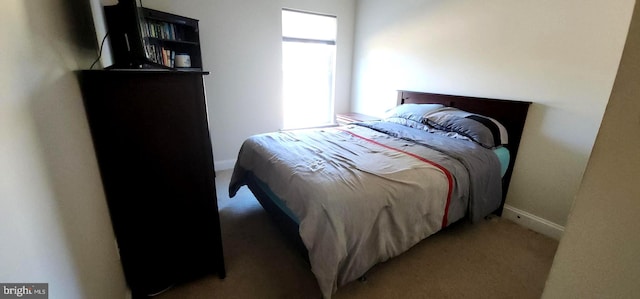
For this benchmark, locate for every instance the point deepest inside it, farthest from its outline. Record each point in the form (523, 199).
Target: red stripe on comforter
(446, 172)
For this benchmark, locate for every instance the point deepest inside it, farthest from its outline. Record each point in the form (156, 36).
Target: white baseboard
(224, 164)
(533, 222)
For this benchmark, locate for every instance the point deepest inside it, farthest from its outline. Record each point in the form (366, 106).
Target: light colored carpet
(492, 259)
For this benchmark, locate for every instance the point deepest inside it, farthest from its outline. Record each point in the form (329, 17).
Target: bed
(350, 197)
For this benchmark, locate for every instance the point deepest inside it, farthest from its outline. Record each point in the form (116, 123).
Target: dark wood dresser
(151, 136)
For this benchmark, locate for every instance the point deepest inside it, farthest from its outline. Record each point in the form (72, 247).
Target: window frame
(329, 42)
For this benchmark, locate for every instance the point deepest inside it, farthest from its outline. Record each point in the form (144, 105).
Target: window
(308, 66)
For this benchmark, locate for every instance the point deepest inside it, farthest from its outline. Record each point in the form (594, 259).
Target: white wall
(562, 55)
(54, 223)
(241, 46)
(598, 255)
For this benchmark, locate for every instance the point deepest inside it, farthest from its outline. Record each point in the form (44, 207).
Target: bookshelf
(165, 35)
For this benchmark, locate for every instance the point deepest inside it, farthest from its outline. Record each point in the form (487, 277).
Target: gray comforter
(365, 193)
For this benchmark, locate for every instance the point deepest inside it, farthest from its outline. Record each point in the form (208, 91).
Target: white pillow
(413, 112)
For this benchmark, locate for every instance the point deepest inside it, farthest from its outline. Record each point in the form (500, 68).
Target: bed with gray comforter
(367, 192)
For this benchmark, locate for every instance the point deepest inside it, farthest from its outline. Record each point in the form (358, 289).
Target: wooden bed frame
(512, 114)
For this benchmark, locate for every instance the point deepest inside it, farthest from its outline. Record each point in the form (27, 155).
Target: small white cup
(182, 60)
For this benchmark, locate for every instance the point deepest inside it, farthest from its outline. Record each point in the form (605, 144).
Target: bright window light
(308, 66)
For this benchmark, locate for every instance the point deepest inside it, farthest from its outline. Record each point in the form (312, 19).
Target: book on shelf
(161, 30)
(161, 55)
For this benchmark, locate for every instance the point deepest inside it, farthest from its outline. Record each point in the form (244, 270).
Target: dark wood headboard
(511, 114)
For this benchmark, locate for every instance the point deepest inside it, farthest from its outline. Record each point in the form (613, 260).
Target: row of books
(162, 30)
(161, 55)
